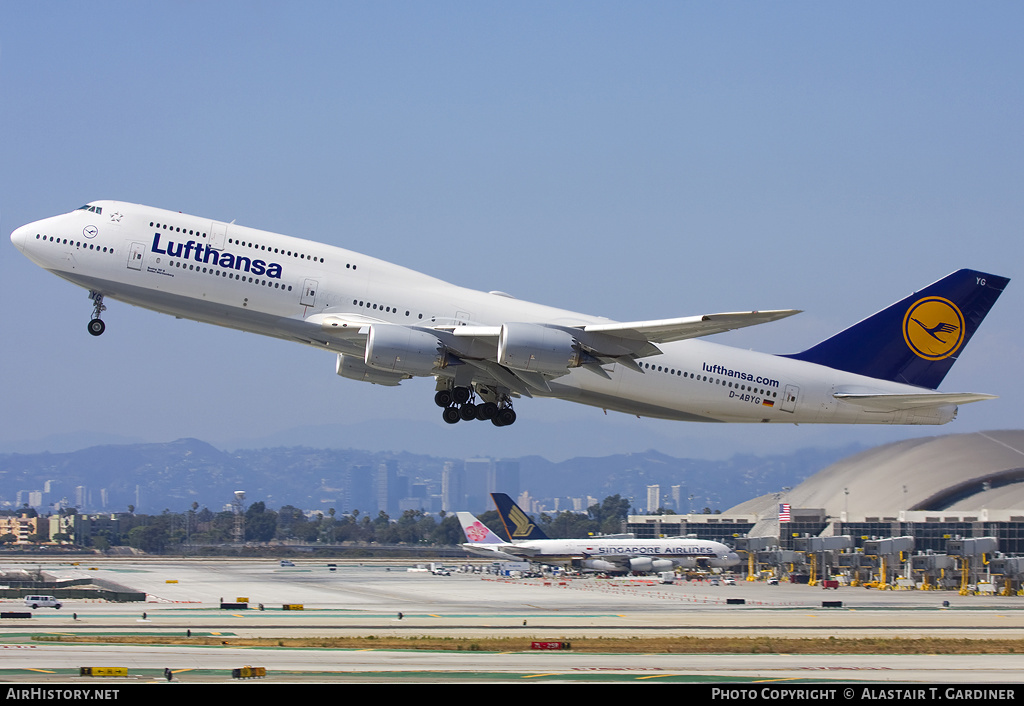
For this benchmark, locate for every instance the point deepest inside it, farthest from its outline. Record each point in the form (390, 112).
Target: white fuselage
(281, 286)
(623, 553)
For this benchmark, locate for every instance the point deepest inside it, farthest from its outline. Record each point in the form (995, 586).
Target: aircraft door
(135, 255)
(308, 297)
(218, 235)
(789, 398)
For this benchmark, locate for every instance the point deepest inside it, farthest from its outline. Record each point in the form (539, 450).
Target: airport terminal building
(943, 511)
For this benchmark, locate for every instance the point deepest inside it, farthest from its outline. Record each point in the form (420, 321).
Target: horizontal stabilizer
(899, 401)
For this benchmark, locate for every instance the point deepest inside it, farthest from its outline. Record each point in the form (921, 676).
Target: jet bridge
(973, 554)
(820, 552)
(756, 549)
(891, 553)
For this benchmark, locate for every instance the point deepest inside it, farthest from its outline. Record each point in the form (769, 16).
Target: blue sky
(633, 160)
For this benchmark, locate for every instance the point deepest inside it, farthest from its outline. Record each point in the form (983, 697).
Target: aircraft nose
(20, 237)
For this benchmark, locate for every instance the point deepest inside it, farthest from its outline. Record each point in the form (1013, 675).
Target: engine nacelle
(599, 565)
(400, 349)
(646, 564)
(355, 369)
(538, 349)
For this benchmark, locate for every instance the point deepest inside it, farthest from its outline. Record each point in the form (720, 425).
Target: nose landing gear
(96, 325)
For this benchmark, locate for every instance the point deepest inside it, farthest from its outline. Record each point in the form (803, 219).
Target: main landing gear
(458, 405)
(96, 325)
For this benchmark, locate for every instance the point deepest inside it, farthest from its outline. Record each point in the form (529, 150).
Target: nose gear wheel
(96, 325)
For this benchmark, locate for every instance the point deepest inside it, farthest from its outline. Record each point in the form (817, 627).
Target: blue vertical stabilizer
(917, 340)
(517, 523)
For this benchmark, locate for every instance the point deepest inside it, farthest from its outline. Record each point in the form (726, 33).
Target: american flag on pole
(784, 515)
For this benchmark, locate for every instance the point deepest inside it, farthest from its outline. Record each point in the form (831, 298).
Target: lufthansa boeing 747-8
(387, 323)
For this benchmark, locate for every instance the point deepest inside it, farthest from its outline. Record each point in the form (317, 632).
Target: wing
(620, 342)
(518, 356)
(668, 330)
(490, 550)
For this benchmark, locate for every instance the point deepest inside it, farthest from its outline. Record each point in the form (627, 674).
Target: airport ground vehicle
(42, 602)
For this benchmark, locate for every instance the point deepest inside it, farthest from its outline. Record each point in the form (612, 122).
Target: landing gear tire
(485, 411)
(97, 327)
(461, 395)
(451, 415)
(443, 398)
(506, 417)
(467, 411)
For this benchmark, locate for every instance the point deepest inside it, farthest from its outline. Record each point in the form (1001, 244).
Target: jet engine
(400, 349)
(539, 349)
(600, 565)
(355, 369)
(645, 564)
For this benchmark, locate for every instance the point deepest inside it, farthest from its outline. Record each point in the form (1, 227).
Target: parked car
(285, 562)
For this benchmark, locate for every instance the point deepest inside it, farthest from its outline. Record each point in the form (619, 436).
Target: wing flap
(514, 381)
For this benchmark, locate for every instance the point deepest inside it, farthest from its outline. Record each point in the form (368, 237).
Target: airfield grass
(655, 645)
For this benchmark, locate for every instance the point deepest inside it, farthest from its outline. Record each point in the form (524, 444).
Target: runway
(366, 599)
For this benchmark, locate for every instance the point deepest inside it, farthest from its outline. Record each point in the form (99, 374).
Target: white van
(42, 602)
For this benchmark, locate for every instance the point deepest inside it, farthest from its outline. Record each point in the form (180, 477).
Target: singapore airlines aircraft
(612, 554)
(388, 323)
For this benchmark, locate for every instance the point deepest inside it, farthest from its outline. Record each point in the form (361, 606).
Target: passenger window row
(288, 253)
(380, 307)
(235, 241)
(75, 243)
(175, 229)
(231, 275)
(712, 380)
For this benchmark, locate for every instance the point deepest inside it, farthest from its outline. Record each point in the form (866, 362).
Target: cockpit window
(93, 209)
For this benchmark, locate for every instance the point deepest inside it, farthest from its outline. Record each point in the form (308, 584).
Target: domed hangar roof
(957, 471)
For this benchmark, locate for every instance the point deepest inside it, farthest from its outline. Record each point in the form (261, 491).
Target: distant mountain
(717, 485)
(171, 476)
